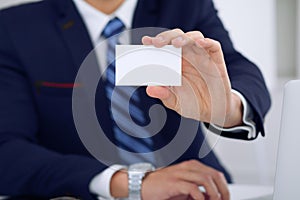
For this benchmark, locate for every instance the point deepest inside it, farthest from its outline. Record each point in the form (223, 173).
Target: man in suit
(42, 46)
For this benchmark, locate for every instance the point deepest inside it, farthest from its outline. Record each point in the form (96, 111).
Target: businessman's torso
(51, 42)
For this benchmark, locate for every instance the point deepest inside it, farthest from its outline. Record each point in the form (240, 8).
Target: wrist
(146, 186)
(235, 115)
(119, 184)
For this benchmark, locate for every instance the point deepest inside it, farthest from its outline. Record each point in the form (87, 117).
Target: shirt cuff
(100, 184)
(249, 124)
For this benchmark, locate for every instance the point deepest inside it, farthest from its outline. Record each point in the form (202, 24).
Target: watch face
(141, 167)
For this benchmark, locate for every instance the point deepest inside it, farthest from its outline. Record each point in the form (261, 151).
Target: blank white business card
(140, 65)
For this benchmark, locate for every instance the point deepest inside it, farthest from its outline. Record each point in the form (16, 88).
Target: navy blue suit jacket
(42, 46)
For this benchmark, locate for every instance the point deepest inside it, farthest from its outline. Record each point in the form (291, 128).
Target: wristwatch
(136, 173)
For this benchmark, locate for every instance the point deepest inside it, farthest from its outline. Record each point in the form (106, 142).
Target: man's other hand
(177, 182)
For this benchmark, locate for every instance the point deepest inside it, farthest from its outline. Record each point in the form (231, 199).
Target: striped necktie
(131, 142)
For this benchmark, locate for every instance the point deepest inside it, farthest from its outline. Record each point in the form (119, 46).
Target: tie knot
(113, 27)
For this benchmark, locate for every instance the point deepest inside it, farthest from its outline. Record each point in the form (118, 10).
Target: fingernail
(160, 39)
(200, 41)
(179, 39)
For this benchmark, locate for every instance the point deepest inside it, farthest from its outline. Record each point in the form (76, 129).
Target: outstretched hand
(205, 94)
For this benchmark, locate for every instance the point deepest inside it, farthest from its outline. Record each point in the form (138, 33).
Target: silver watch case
(136, 173)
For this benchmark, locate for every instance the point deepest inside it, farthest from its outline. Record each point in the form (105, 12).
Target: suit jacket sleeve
(244, 75)
(25, 166)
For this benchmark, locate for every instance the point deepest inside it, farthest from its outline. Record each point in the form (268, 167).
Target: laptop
(287, 176)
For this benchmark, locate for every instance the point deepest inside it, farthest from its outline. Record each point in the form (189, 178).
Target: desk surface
(250, 192)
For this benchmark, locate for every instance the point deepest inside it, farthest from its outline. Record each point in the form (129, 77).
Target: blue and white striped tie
(121, 95)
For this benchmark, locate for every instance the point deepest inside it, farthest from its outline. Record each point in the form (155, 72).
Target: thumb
(165, 94)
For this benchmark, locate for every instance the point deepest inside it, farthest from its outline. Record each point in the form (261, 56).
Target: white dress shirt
(95, 22)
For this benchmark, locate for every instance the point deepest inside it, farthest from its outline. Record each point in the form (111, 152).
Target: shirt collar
(96, 20)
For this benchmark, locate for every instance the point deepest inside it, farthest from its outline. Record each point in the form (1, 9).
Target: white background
(266, 32)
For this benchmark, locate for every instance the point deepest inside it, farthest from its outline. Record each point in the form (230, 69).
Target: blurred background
(267, 33)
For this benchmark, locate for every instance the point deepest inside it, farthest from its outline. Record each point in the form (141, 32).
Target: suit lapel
(79, 44)
(73, 31)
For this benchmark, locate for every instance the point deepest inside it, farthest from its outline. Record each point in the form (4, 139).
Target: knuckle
(184, 165)
(218, 175)
(193, 162)
(189, 164)
(196, 33)
(200, 34)
(207, 178)
(178, 30)
(218, 44)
